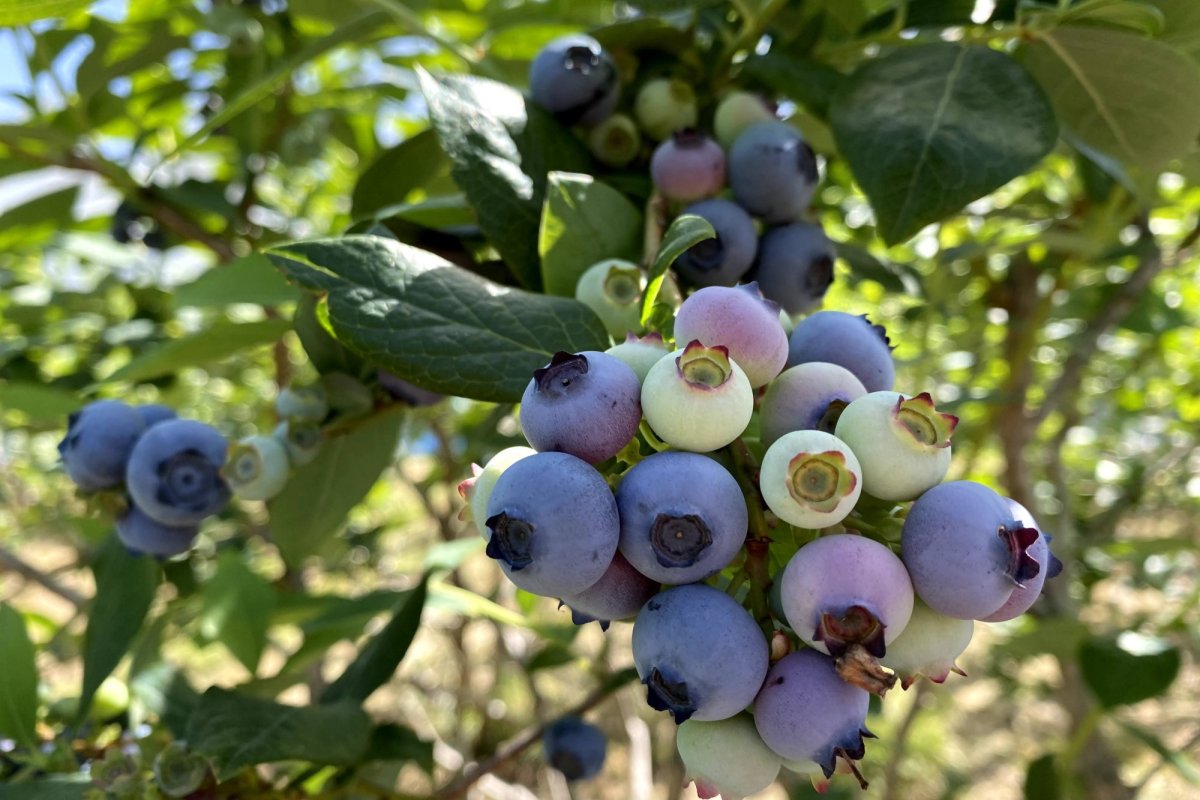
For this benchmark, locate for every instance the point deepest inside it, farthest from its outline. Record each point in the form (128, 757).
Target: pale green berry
(302, 440)
(616, 141)
(257, 468)
(478, 488)
(810, 479)
(697, 398)
(640, 353)
(664, 106)
(304, 403)
(726, 757)
(613, 289)
(736, 112)
(902, 443)
(928, 646)
(347, 395)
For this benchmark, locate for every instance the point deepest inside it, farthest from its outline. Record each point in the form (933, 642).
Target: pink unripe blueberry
(807, 396)
(687, 167)
(740, 320)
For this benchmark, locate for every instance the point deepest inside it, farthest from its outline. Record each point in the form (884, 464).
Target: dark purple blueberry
(575, 80)
(687, 167)
(772, 171)
(725, 259)
(174, 472)
(807, 397)
(552, 524)
(619, 594)
(849, 341)
(574, 747)
(99, 439)
(795, 266)
(586, 404)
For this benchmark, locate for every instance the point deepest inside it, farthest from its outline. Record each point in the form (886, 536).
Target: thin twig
(16, 564)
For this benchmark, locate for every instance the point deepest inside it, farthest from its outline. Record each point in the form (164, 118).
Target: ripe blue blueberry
(795, 266)
(683, 517)
(772, 171)
(742, 321)
(699, 653)
(846, 340)
(687, 167)
(619, 594)
(477, 489)
(586, 404)
(99, 439)
(808, 396)
(723, 260)
(1023, 597)
(575, 80)
(967, 551)
(173, 474)
(574, 747)
(143, 534)
(552, 524)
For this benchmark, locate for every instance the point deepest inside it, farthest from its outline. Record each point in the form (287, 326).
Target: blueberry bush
(437, 399)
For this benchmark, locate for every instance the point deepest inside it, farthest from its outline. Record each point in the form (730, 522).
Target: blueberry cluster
(761, 164)
(662, 485)
(168, 468)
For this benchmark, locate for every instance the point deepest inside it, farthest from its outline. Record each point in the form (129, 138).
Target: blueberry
(477, 489)
(552, 524)
(772, 171)
(967, 551)
(808, 396)
(664, 106)
(640, 353)
(846, 340)
(795, 266)
(141, 533)
(173, 473)
(928, 646)
(723, 260)
(736, 112)
(154, 413)
(257, 468)
(302, 440)
(726, 757)
(574, 747)
(902, 443)
(806, 712)
(99, 439)
(810, 479)
(683, 517)
(687, 167)
(613, 289)
(700, 654)
(575, 80)
(740, 320)
(1023, 597)
(619, 594)
(697, 398)
(586, 404)
(615, 141)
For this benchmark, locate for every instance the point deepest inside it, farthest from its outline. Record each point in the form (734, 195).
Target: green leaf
(59, 787)
(125, 586)
(377, 661)
(928, 129)
(40, 402)
(501, 149)
(1182, 27)
(1096, 79)
(250, 279)
(53, 210)
(237, 606)
(325, 352)
(18, 680)
(583, 222)
(397, 743)
(810, 83)
(222, 339)
(435, 324)
(1129, 669)
(1180, 762)
(319, 495)
(685, 231)
(1041, 779)
(389, 180)
(890, 275)
(22, 12)
(237, 730)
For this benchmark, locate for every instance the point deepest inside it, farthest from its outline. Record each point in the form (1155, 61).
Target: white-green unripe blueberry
(303, 403)
(810, 479)
(640, 353)
(665, 105)
(257, 468)
(726, 757)
(928, 646)
(902, 443)
(613, 289)
(697, 398)
(477, 489)
(302, 440)
(346, 394)
(616, 141)
(736, 112)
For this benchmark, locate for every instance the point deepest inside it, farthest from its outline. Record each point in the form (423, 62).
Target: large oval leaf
(584, 221)
(1098, 82)
(18, 679)
(928, 129)
(435, 324)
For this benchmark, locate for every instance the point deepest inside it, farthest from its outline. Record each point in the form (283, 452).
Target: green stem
(758, 538)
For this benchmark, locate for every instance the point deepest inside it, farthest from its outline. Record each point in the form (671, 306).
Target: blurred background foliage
(149, 149)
